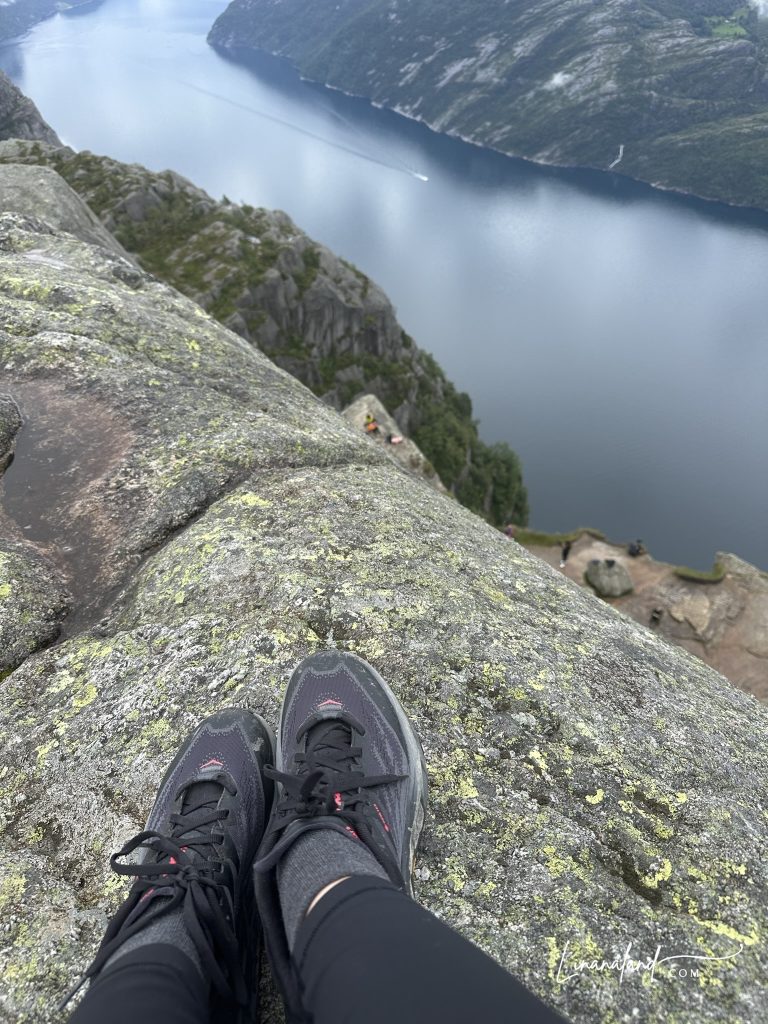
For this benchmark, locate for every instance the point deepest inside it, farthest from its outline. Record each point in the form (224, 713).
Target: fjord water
(615, 336)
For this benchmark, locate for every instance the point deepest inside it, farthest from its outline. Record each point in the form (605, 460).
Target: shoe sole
(418, 782)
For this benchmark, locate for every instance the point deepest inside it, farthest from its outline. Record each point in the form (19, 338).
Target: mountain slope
(19, 117)
(679, 84)
(312, 313)
(590, 785)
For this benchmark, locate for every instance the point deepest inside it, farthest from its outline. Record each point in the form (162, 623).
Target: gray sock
(315, 860)
(169, 928)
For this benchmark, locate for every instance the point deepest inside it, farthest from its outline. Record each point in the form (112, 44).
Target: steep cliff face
(677, 90)
(591, 785)
(19, 117)
(314, 314)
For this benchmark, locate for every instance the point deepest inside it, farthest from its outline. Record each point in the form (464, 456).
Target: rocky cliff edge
(592, 786)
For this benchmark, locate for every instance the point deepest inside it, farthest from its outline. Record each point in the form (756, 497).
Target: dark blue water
(616, 336)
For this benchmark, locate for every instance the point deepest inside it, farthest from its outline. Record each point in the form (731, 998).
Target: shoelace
(328, 781)
(184, 862)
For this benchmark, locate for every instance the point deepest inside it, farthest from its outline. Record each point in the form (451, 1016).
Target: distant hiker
(394, 439)
(371, 426)
(635, 548)
(510, 530)
(313, 845)
(565, 552)
(656, 616)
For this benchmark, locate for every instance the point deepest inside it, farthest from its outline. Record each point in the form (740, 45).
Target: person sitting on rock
(371, 426)
(635, 548)
(313, 845)
(394, 439)
(565, 552)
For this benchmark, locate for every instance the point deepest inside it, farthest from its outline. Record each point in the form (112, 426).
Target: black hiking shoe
(197, 850)
(348, 759)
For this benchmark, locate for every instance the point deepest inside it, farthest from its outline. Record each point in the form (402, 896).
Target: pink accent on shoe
(381, 816)
(325, 703)
(213, 763)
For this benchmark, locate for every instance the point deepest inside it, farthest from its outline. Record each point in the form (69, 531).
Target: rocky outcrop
(33, 601)
(10, 421)
(722, 617)
(671, 93)
(314, 314)
(388, 433)
(591, 785)
(19, 117)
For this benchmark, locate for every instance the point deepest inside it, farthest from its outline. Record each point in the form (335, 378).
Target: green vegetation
(734, 26)
(218, 253)
(311, 260)
(715, 574)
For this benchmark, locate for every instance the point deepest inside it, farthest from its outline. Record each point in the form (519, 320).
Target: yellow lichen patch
(662, 874)
(596, 797)
(153, 733)
(539, 759)
(44, 750)
(85, 695)
(467, 790)
(12, 888)
(251, 500)
(5, 590)
(554, 955)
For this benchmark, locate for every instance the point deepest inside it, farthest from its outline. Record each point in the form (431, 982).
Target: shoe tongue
(200, 793)
(332, 733)
(194, 797)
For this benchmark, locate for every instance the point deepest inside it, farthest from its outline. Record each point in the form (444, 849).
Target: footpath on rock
(592, 786)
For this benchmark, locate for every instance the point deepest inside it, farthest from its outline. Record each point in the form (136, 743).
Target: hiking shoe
(196, 854)
(347, 759)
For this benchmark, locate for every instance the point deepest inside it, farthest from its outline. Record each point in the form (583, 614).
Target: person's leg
(352, 794)
(183, 945)
(154, 984)
(396, 962)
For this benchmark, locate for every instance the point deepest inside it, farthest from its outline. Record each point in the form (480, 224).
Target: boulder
(10, 421)
(33, 600)
(608, 577)
(405, 451)
(591, 786)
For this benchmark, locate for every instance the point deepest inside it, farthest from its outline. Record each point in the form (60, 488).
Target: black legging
(367, 954)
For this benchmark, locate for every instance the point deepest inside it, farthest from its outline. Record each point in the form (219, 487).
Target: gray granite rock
(404, 451)
(33, 600)
(608, 577)
(591, 786)
(10, 421)
(19, 117)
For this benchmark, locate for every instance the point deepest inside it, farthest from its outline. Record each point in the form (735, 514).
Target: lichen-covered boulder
(608, 577)
(592, 787)
(10, 421)
(33, 601)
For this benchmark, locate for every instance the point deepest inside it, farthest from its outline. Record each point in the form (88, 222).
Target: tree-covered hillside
(314, 314)
(679, 84)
